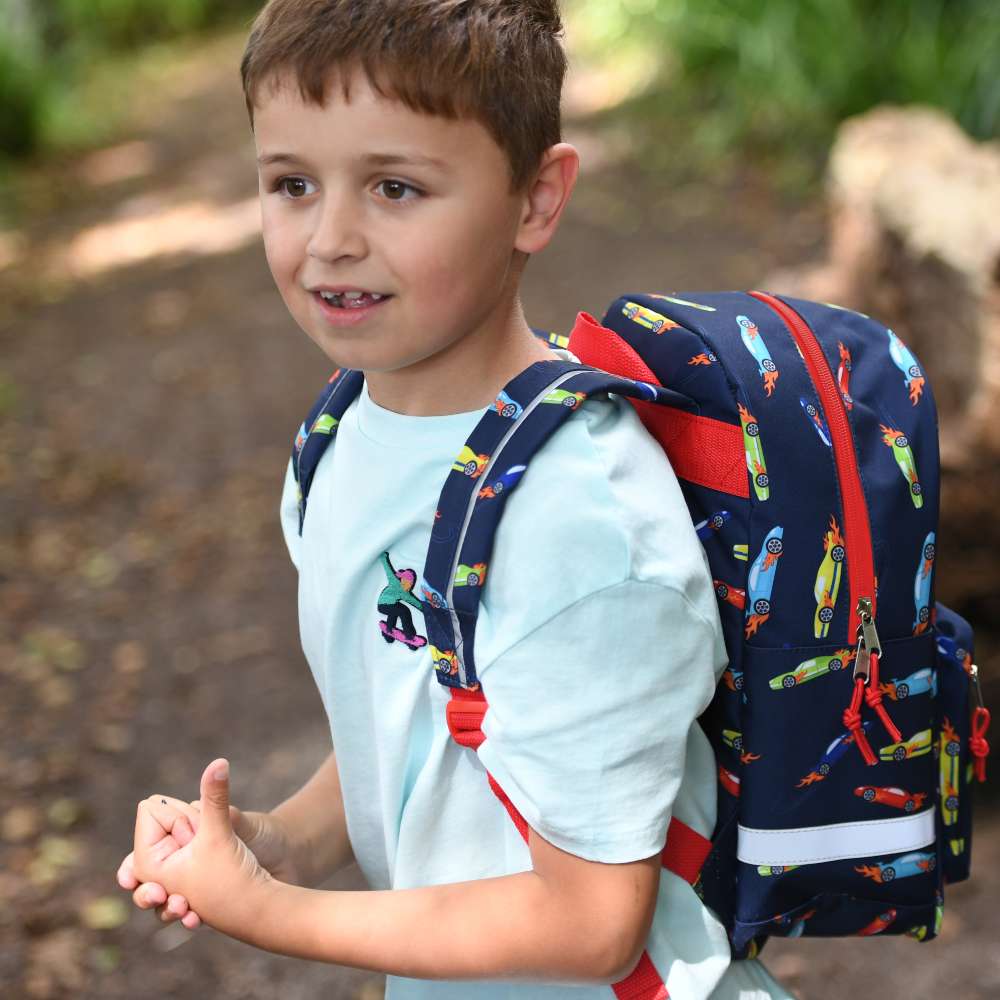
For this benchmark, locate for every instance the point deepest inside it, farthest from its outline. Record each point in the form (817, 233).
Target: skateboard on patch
(414, 642)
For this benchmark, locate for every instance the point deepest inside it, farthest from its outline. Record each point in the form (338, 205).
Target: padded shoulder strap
(525, 414)
(319, 428)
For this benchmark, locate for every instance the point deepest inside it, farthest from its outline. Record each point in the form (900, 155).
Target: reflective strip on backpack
(811, 845)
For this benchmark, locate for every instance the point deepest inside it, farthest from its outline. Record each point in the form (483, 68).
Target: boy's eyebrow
(373, 159)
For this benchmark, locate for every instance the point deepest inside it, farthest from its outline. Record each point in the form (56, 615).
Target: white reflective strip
(810, 845)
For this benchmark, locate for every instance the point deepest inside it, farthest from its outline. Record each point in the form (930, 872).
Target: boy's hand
(264, 833)
(213, 871)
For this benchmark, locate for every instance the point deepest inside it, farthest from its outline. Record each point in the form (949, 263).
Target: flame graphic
(700, 359)
(870, 871)
(770, 559)
(747, 757)
(745, 415)
(754, 622)
(889, 435)
(916, 388)
(810, 778)
(769, 379)
(833, 536)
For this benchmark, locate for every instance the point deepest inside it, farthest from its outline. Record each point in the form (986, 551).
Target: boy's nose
(337, 232)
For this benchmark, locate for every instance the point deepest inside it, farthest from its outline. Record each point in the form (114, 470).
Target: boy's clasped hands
(206, 861)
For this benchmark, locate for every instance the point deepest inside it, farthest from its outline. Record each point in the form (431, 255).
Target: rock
(20, 823)
(914, 241)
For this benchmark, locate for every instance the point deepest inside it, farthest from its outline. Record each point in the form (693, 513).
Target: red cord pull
(873, 695)
(852, 722)
(977, 742)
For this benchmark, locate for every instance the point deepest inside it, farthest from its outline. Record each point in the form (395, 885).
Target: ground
(151, 383)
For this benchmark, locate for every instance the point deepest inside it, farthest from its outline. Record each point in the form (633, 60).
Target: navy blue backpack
(846, 735)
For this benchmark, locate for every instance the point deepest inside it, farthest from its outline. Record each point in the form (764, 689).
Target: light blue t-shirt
(597, 647)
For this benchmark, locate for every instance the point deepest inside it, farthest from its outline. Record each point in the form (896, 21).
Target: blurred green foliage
(739, 74)
(46, 46)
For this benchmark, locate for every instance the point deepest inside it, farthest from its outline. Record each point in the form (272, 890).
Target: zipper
(857, 526)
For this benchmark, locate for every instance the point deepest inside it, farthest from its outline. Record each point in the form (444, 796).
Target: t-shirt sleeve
(590, 713)
(289, 512)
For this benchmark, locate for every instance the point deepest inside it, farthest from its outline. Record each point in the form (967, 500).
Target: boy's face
(373, 197)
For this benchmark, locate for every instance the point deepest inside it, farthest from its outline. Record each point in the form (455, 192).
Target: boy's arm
(569, 920)
(315, 821)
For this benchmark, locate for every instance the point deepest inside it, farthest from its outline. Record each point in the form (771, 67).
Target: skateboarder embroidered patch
(392, 602)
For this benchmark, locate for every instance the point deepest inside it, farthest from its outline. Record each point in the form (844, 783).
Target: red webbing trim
(701, 450)
(465, 712)
(644, 983)
(685, 851)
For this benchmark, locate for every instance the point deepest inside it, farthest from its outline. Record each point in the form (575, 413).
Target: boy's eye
(396, 190)
(292, 187)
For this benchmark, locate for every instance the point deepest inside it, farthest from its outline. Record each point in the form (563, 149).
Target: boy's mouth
(352, 299)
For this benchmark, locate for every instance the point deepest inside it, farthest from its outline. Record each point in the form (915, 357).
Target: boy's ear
(546, 197)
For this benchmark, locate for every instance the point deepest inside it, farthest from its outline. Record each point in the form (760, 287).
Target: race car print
(922, 586)
(469, 463)
(916, 746)
(905, 866)
(324, 424)
(705, 529)
(705, 358)
(433, 597)
(903, 454)
(813, 415)
(754, 450)
(507, 407)
(730, 594)
(563, 397)
(947, 646)
(470, 576)
(950, 748)
(898, 798)
(827, 583)
(913, 377)
(741, 551)
(729, 781)
(844, 375)
(560, 340)
(506, 482)
(647, 318)
(807, 670)
(754, 343)
(733, 679)
(760, 580)
(300, 437)
(879, 924)
(444, 660)
(767, 870)
(921, 681)
(834, 752)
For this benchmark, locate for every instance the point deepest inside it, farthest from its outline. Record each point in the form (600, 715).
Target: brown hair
(499, 62)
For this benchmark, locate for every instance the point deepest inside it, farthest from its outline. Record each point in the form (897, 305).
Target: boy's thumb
(215, 795)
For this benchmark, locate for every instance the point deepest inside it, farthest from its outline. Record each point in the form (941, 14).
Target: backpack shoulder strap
(319, 429)
(525, 414)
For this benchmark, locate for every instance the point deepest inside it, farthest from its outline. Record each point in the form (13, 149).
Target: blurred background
(151, 382)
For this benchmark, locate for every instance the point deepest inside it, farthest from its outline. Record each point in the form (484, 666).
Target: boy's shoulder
(599, 505)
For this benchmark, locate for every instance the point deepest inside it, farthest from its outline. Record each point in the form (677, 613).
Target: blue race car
(754, 343)
(914, 863)
(705, 529)
(834, 752)
(907, 364)
(508, 407)
(919, 682)
(922, 586)
(506, 482)
(760, 580)
(816, 419)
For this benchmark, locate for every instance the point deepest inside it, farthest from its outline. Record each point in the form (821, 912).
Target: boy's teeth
(353, 297)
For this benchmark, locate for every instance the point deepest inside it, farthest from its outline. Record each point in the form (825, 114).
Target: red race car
(896, 797)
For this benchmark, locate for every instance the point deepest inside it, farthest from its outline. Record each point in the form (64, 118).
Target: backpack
(804, 438)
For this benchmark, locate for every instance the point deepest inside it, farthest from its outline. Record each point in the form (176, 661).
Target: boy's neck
(466, 376)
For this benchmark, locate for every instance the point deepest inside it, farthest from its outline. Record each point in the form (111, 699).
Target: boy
(410, 163)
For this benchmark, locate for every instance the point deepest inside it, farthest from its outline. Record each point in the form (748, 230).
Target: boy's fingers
(148, 895)
(126, 876)
(191, 920)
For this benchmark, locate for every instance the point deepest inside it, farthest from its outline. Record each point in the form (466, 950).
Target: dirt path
(147, 614)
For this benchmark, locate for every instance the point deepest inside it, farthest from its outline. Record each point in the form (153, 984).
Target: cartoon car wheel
(836, 663)
(470, 468)
(888, 873)
(738, 744)
(775, 546)
(909, 806)
(570, 401)
(473, 579)
(811, 410)
(837, 553)
(762, 607)
(509, 410)
(924, 615)
(914, 371)
(768, 365)
(824, 768)
(434, 601)
(902, 690)
(901, 441)
(763, 480)
(788, 681)
(631, 312)
(951, 803)
(929, 551)
(826, 615)
(718, 521)
(899, 753)
(869, 795)
(753, 429)
(722, 591)
(952, 749)
(916, 489)
(498, 487)
(744, 321)
(657, 325)
(443, 665)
